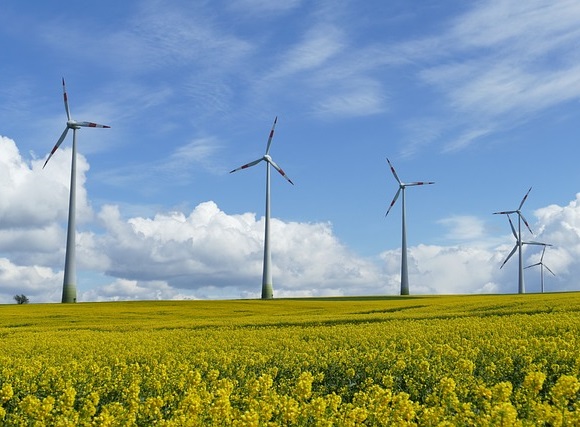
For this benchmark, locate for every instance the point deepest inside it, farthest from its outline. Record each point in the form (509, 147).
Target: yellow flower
(565, 390)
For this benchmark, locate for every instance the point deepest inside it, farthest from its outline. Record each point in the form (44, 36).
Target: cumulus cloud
(208, 253)
(34, 204)
(463, 227)
(560, 226)
(33, 196)
(208, 250)
(127, 290)
(473, 266)
(449, 270)
(39, 284)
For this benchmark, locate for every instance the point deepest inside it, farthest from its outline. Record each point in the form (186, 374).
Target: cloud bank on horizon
(208, 253)
(480, 97)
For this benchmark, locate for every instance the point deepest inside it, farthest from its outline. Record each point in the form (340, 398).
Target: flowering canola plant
(509, 360)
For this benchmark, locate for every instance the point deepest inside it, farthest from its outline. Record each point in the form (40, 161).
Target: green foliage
(21, 299)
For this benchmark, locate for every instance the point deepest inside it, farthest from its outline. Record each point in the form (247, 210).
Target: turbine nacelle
(402, 185)
(266, 157)
(70, 124)
(518, 211)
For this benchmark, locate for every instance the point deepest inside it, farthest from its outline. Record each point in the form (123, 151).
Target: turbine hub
(72, 124)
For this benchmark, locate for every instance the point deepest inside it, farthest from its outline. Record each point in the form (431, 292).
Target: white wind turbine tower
(267, 292)
(542, 266)
(69, 289)
(401, 190)
(519, 242)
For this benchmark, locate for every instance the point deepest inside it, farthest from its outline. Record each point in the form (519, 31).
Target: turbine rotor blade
(513, 228)
(543, 252)
(248, 165)
(419, 183)
(394, 172)
(394, 200)
(271, 136)
(548, 268)
(525, 222)
(524, 199)
(65, 100)
(510, 255)
(533, 265)
(504, 212)
(62, 137)
(91, 125)
(279, 169)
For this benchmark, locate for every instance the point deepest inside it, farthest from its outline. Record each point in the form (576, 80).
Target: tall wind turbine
(519, 243)
(69, 288)
(267, 292)
(401, 190)
(542, 266)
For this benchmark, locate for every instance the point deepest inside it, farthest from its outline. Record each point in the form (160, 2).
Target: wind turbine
(542, 265)
(267, 292)
(401, 190)
(519, 243)
(69, 289)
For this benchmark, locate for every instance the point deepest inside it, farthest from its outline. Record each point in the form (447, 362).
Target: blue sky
(481, 97)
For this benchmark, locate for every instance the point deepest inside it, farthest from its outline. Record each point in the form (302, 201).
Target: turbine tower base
(267, 292)
(69, 293)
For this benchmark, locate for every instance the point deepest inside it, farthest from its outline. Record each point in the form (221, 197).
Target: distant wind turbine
(267, 292)
(401, 190)
(519, 242)
(69, 289)
(542, 266)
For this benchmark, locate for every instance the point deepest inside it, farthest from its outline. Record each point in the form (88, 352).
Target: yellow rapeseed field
(510, 360)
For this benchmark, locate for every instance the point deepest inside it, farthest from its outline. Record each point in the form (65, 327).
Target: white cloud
(39, 284)
(199, 151)
(361, 97)
(34, 205)
(464, 227)
(326, 69)
(318, 46)
(127, 290)
(560, 226)
(260, 8)
(32, 196)
(450, 270)
(154, 37)
(179, 167)
(497, 65)
(208, 253)
(474, 266)
(209, 248)
(544, 24)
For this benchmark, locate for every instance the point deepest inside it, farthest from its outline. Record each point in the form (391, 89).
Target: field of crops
(394, 361)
